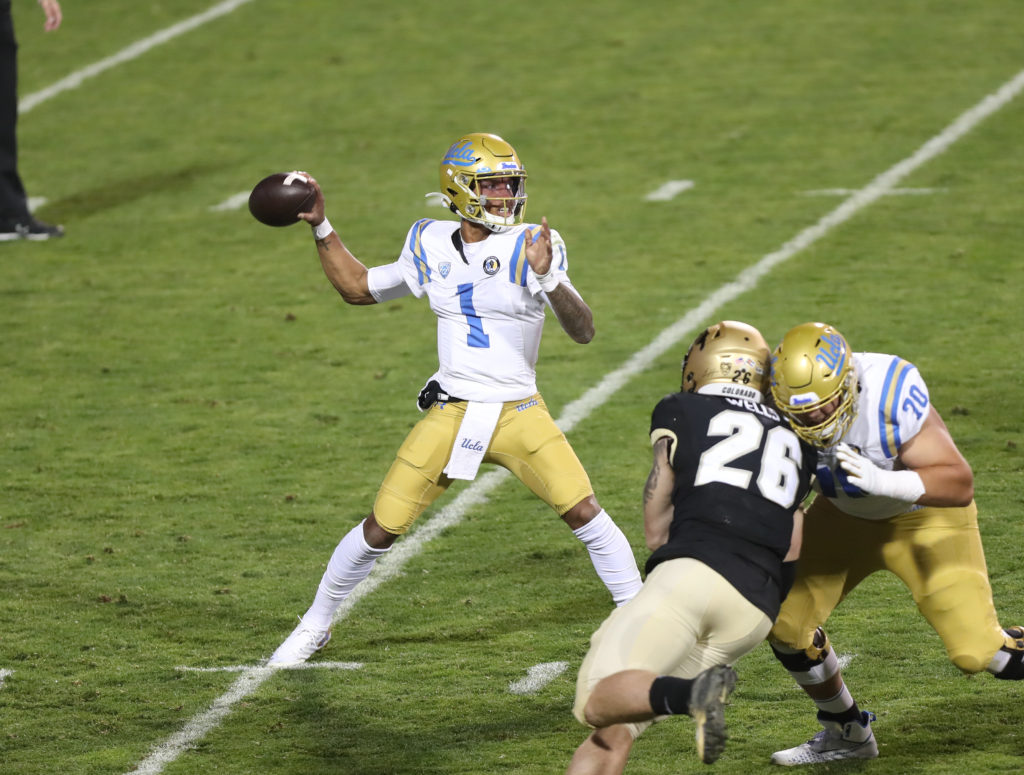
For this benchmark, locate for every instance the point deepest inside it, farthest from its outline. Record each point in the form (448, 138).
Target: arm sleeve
(387, 282)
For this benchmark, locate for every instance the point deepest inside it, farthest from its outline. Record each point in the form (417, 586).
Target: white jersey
(489, 305)
(891, 408)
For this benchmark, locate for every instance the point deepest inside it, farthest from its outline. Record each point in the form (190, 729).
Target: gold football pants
(526, 441)
(936, 552)
(685, 619)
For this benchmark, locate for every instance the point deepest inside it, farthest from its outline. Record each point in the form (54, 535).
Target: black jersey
(740, 472)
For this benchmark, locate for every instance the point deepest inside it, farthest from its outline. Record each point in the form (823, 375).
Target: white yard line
(233, 202)
(669, 190)
(537, 677)
(3, 675)
(303, 666)
(135, 50)
(581, 408)
(890, 192)
(197, 727)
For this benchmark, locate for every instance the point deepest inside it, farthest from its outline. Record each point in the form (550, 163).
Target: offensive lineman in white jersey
(895, 494)
(488, 278)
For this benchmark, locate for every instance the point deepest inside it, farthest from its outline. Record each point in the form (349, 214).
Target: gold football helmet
(814, 383)
(475, 156)
(730, 356)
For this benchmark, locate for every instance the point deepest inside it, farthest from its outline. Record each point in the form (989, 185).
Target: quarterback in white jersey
(894, 494)
(468, 283)
(489, 278)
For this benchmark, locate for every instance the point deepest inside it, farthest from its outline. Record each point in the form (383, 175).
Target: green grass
(190, 418)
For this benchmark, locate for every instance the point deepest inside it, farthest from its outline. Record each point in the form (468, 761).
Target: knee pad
(813, 665)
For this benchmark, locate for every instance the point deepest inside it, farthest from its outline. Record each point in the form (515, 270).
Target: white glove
(901, 485)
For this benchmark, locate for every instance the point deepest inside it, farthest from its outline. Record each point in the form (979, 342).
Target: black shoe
(710, 690)
(30, 228)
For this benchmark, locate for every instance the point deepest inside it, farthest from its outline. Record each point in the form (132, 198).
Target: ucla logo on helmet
(460, 155)
(491, 265)
(831, 353)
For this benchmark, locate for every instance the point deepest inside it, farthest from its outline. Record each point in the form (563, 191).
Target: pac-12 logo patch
(491, 265)
(444, 268)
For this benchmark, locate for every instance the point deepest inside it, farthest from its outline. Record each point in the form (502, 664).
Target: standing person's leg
(16, 222)
(838, 552)
(529, 444)
(938, 554)
(13, 205)
(413, 482)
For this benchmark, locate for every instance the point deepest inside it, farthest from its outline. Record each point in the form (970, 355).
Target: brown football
(278, 199)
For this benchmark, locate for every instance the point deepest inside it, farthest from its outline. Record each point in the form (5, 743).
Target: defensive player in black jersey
(721, 514)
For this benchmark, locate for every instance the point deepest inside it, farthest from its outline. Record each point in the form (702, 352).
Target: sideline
(578, 410)
(133, 51)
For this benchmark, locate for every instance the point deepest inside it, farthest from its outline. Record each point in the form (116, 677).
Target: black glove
(430, 395)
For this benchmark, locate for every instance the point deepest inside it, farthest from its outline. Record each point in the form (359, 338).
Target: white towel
(473, 439)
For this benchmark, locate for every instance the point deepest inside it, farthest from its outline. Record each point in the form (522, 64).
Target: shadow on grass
(417, 735)
(116, 192)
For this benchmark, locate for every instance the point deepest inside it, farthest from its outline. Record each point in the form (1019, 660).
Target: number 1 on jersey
(476, 337)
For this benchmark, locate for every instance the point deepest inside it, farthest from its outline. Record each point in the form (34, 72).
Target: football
(278, 199)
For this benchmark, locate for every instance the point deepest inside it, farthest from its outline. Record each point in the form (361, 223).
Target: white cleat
(836, 741)
(303, 643)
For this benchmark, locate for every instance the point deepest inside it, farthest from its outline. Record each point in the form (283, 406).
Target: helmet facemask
(513, 202)
(814, 383)
(829, 432)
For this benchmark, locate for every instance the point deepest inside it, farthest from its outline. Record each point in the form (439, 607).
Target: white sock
(612, 556)
(839, 704)
(999, 661)
(352, 561)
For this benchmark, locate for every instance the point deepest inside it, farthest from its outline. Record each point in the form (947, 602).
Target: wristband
(548, 282)
(902, 485)
(322, 230)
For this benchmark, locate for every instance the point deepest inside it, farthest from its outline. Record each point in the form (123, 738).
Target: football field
(191, 418)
